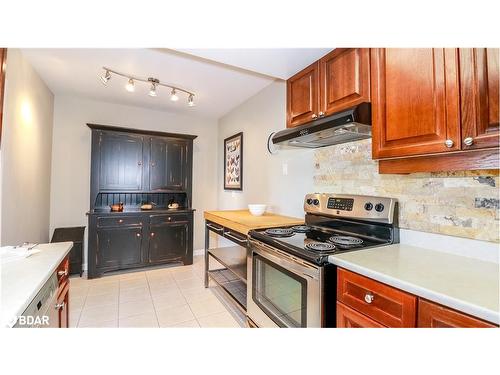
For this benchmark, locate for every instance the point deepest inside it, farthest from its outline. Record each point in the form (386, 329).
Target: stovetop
(318, 243)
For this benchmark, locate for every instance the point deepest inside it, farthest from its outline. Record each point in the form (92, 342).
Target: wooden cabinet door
(168, 164)
(345, 79)
(302, 96)
(121, 162)
(118, 247)
(3, 58)
(349, 318)
(63, 307)
(479, 88)
(415, 101)
(432, 315)
(168, 242)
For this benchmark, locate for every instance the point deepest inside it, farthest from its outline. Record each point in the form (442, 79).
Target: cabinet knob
(169, 218)
(138, 234)
(152, 234)
(153, 164)
(449, 143)
(314, 116)
(369, 298)
(322, 114)
(139, 163)
(62, 273)
(468, 141)
(60, 306)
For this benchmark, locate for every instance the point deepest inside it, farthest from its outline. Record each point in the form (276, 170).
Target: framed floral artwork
(233, 162)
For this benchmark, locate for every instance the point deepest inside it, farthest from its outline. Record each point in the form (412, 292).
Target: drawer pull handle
(234, 238)
(369, 298)
(59, 306)
(62, 273)
(217, 229)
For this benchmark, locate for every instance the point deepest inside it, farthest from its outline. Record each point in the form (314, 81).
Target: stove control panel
(363, 207)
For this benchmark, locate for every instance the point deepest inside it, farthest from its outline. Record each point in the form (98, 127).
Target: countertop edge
(33, 294)
(460, 305)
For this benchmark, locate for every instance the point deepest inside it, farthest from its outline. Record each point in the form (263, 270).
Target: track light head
(106, 77)
(173, 96)
(130, 86)
(152, 90)
(191, 100)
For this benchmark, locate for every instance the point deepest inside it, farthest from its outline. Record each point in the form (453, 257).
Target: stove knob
(368, 206)
(309, 201)
(379, 207)
(315, 202)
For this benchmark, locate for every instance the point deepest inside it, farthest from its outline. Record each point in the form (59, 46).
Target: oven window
(281, 294)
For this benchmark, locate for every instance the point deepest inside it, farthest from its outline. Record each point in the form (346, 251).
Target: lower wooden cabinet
(168, 242)
(366, 303)
(63, 306)
(387, 305)
(432, 315)
(349, 318)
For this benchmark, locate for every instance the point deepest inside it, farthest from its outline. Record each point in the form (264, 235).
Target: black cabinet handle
(234, 238)
(217, 229)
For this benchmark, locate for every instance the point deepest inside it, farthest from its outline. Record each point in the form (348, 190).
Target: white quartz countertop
(462, 283)
(22, 279)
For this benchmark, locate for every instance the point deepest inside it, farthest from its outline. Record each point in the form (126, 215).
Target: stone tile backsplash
(464, 204)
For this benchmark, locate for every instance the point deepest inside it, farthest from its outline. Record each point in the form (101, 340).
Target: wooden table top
(243, 221)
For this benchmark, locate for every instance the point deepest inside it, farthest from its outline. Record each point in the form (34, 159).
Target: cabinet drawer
(236, 237)
(349, 318)
(432, 315)
(118, 221)
(162, 219)
(63, 271)
(388, 306)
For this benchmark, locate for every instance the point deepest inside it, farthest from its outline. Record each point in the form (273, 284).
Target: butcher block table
(235, 225)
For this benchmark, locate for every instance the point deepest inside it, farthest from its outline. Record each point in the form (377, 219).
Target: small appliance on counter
(290, 282)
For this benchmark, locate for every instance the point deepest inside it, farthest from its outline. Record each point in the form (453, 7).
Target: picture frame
(233, 162)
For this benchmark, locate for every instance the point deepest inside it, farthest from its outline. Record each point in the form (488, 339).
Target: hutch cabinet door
(302, 93)
(345, 79)
(168, 164)
(415, 101)
(168, 242)
(121, 162)
(119, 247)
(432, 315)
(479, 88)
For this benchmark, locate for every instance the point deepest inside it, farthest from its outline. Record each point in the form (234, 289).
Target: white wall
(25, 154)
(70, 193)
(264, 179)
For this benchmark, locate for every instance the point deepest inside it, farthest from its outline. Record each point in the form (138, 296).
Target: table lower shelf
(232, 285)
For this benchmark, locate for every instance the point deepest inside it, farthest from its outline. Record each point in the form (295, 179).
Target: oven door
(283, 291)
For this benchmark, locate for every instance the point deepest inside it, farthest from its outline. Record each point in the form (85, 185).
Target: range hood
(351, 125)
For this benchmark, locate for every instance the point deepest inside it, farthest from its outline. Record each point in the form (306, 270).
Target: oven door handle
(289, 263)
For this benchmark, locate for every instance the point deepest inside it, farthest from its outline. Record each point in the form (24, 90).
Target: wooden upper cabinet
(345, 79)
(415, 101)
(479, 88)
(432, 315)
(302, 96)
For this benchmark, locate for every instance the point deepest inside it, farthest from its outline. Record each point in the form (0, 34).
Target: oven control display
(343, 204)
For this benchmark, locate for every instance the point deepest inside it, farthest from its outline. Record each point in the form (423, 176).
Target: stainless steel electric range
(290, 281)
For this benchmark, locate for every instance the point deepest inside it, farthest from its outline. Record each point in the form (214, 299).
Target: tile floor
(163, 297)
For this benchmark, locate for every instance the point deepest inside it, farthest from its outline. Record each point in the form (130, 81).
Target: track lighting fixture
(155, 83)
(173, 96)
(130, 86)
(106, 77)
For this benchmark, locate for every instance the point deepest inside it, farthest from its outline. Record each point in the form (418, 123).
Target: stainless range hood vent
(351, 125)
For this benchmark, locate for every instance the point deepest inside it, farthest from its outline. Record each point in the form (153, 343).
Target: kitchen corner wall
(464, 204)
(25, 154)
(70, 193)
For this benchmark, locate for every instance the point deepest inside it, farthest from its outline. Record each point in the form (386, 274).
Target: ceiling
(221, 78)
